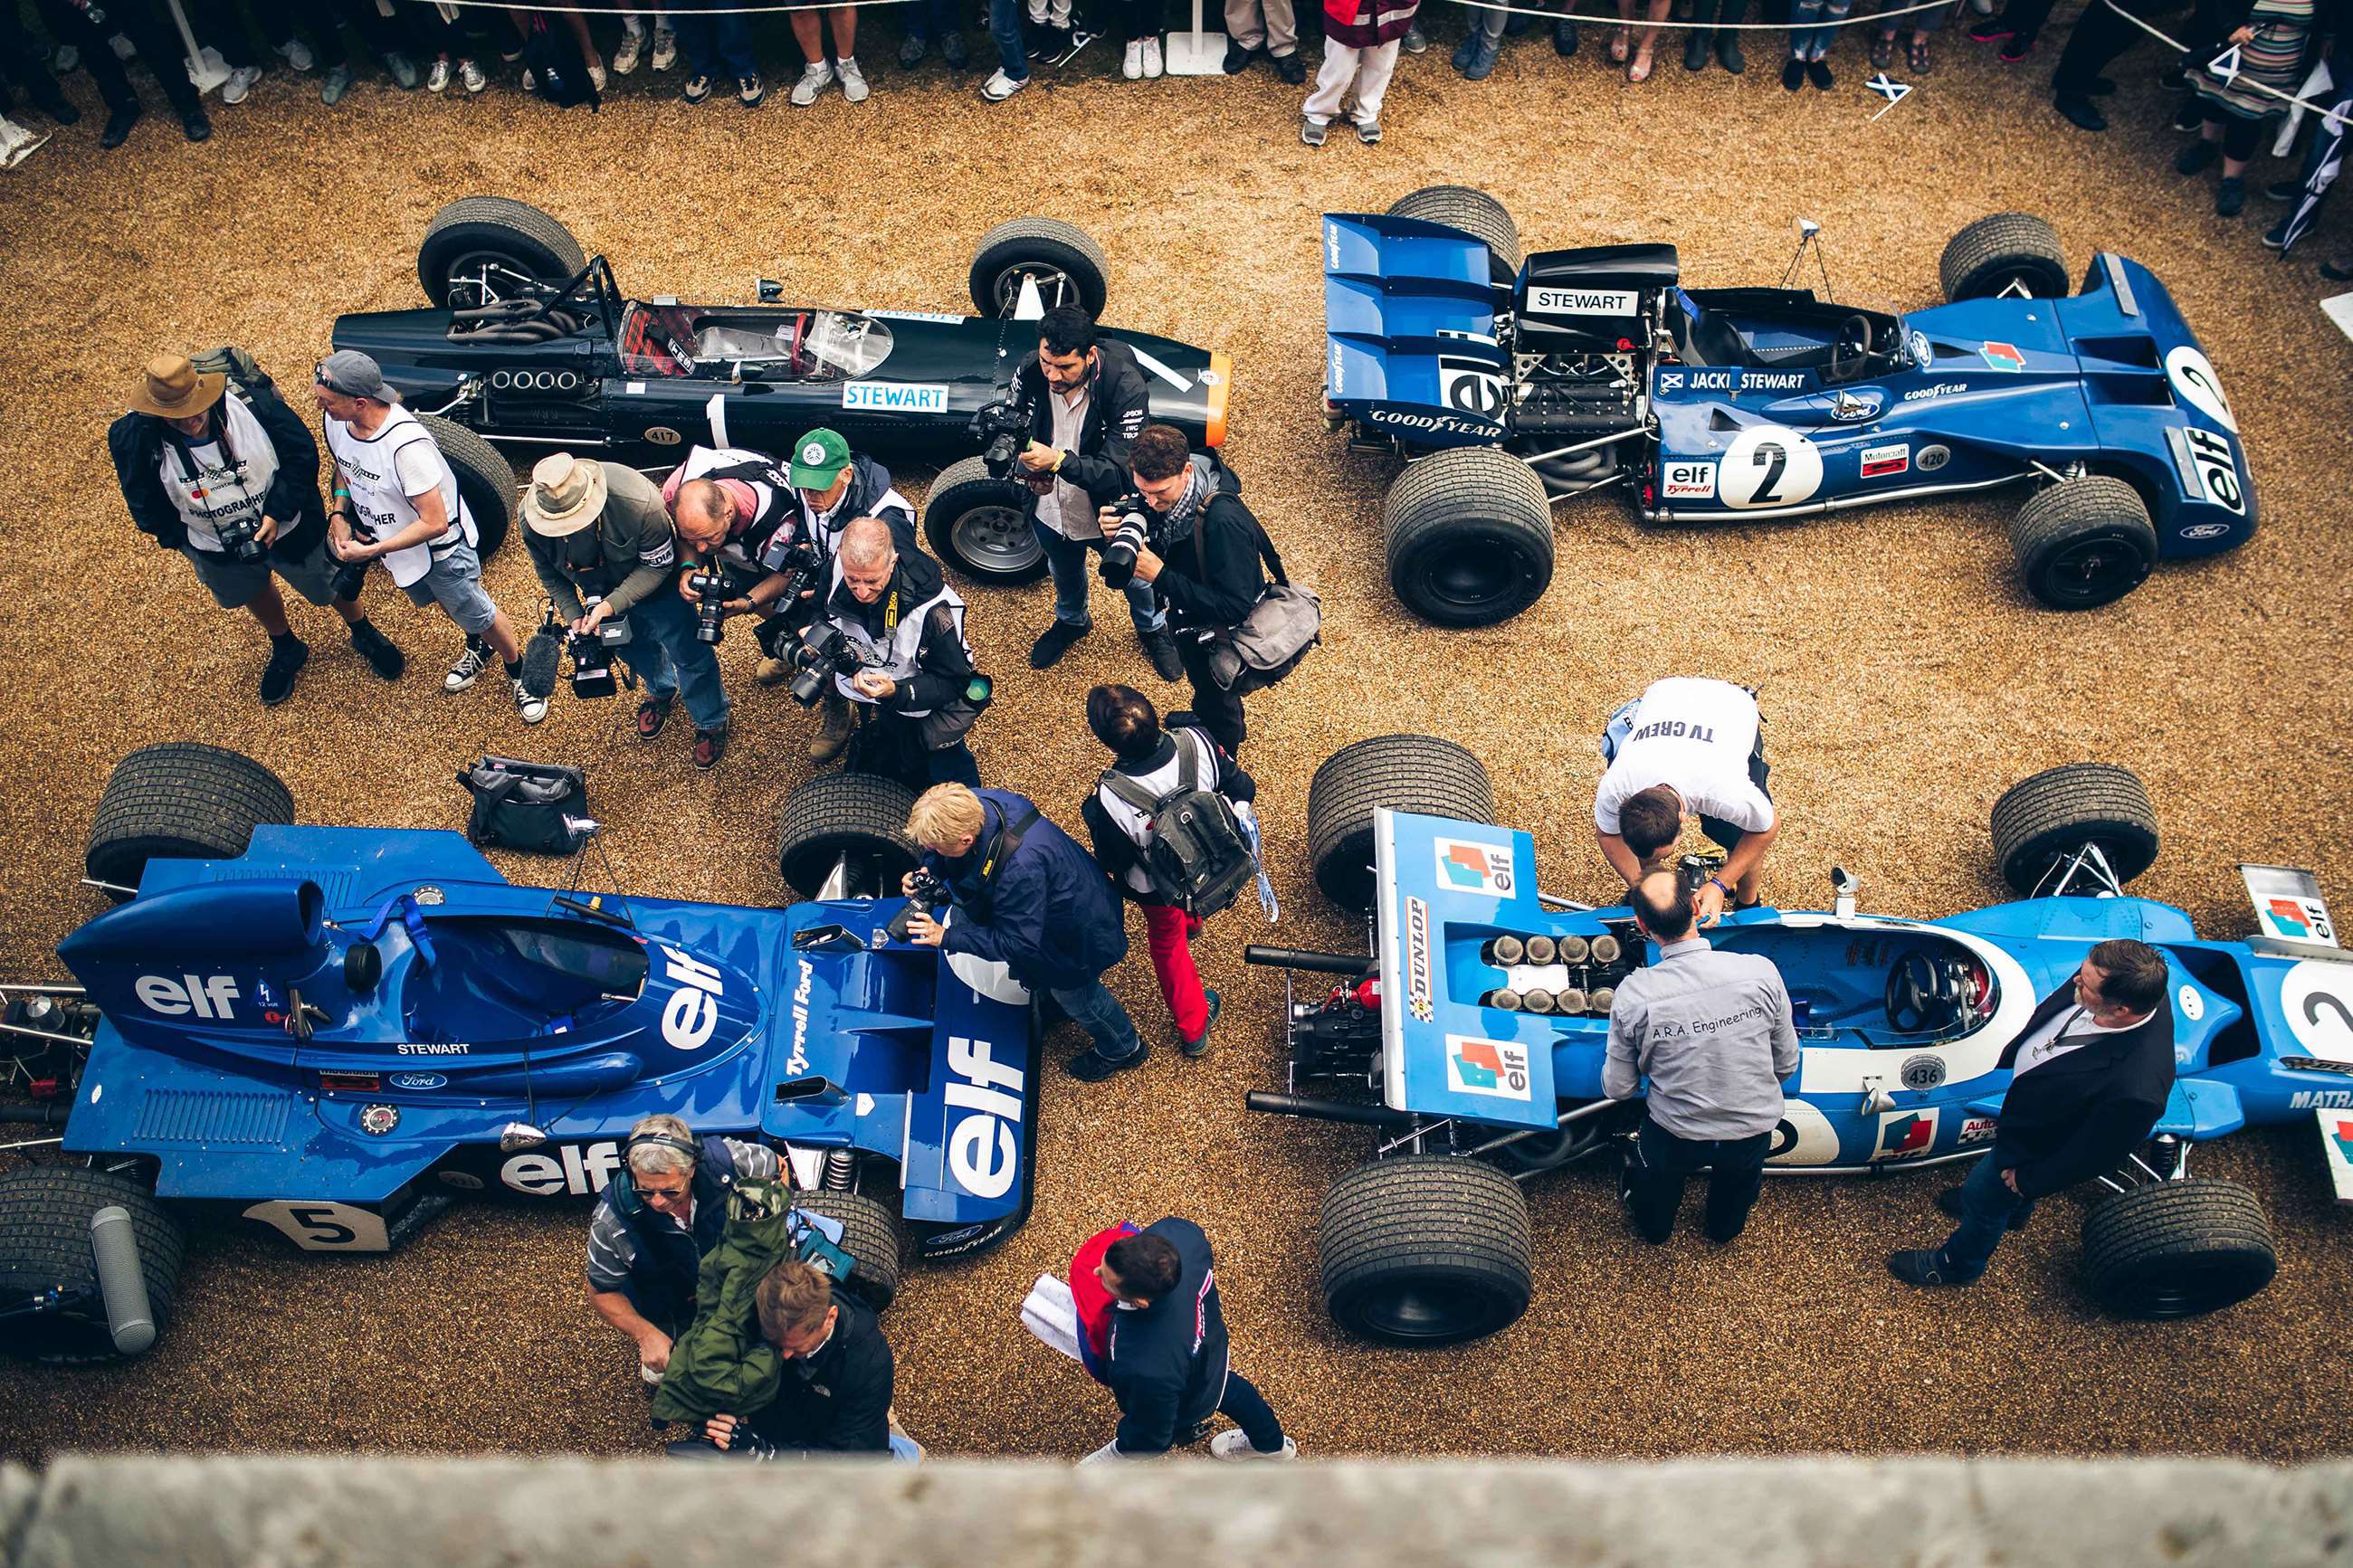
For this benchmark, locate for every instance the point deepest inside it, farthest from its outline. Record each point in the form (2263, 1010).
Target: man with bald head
(1712, 1033)
(906, 668)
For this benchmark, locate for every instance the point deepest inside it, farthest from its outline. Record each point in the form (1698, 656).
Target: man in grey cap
(604, 549)
(395, 500)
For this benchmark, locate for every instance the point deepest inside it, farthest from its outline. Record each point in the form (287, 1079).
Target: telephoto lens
(1503, 951)
(1606, 948)
(710, 584)
(1574, 950)
(1506, 998)
(1536, 1001)
(1118, 564)
(1540, 949)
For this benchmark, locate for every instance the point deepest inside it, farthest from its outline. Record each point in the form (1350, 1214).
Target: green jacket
(723, 1364)
(629, 553)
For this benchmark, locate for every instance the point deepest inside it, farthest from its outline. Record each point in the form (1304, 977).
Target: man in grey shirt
(1712, 1032)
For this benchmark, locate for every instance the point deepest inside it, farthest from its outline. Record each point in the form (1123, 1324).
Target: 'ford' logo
(2206, 530)
(416, 1080)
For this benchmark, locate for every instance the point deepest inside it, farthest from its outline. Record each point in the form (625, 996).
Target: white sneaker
(1000, 87)
(17, 143)
(534, 708)
(1236, 1445)
(296, 54)
(529, 80)
(853, 80)
(814, 81)
(624, 58)
(1151, 64)
(1131, 65)
(471, 664)
(471, 75)
(597, 78)
(438, 79)
(239, 83)
(665, 49)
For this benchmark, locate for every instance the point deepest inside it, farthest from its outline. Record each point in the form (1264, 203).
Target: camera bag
(539, 806)
(1195, 852)
(1286, 622)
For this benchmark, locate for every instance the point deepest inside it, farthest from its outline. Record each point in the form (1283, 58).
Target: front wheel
(1426, 1249)
(2084, 542)
(871, 1236)
(1068, 267)
(2013, 254)
(480, 250)
(2178, 1249)
(856, 816)
(980, 526)
(2042, 820)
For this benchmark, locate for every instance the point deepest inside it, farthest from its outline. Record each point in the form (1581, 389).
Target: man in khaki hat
(229, 478)
(605, 548)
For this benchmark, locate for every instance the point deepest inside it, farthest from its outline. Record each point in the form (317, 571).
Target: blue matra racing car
(1473, 1037)
(1516, 384)
(335, 1031)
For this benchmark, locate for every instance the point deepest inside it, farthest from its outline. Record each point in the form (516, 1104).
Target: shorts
(1724, 833)
(453, 582)
(236, 583)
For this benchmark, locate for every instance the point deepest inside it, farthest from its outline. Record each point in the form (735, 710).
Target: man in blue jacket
(1022, 894)
(1167, 1363)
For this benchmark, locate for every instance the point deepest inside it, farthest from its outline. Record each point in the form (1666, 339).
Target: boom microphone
(542, 661)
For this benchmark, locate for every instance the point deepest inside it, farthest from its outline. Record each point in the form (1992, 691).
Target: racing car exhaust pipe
(1279, 1104)
(1299, 958)
(130, 1316)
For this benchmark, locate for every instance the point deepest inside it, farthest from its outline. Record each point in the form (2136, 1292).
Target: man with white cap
(229, 478)
(604, 548)
(395, 500)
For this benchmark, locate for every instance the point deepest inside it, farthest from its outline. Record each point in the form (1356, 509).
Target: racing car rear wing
(1409, 320)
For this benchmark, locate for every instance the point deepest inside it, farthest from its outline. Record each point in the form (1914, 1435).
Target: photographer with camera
(229, 478)
(396, 501)
(1087, 399)
(1184, 531)
(1022, 894)
(833, 485)
(890, 639)
(1180, 856)
(604, 549)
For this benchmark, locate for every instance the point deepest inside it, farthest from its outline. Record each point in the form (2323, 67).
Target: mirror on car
(771, 291)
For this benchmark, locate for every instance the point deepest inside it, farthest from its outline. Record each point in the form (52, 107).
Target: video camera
(592, 654)
(1002, 431)
(817, 659)
(927, 896)
(1119, 545)
(709, 581)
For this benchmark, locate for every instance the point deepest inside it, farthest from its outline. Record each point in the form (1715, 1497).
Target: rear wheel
(1475, 212)
(853, 814)
(2016, 254)
(486, 480)
(1426, 1249)
(45, 1243)
(2084, 542)
(2178, 1249)
(1470, 536)
(480, 249)
(181, 800)
(871, 1235)
(2040, 820)
(1405, 772)
(980, 526)
(1068, 267)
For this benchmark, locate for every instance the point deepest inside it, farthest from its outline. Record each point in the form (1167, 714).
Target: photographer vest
(897, 651)
(369, 467)
(774, 502)
(224, 478)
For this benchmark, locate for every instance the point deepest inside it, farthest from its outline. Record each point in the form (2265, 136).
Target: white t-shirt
(2069, 1029)
(218, 490)
(1696, 736)
(1066, 508)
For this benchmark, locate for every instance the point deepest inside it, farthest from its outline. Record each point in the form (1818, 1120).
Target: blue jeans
(1093, 1008)
(1004, 31)
(1989, 1209)
(664, 652)
(933, 19)
(714, 46)
(1070, 562)
(1807, 40)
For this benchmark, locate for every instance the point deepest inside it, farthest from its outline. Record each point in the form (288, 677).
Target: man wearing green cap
(833, 485)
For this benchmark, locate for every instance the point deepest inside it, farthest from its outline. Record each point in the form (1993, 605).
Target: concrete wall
(1825, 1513)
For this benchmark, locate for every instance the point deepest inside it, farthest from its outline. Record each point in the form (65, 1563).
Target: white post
(1197, 53)
(206, 67)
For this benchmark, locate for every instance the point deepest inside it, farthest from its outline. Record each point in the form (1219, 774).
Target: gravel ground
(1908, 680)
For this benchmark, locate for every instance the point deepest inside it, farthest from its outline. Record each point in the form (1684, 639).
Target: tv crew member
(899, 657)
(833, 485)
(597, 531)
(1695, 748)
(663, 1210)
(396, 501)
(230, 481)
(1153, 761)
(1023, 896)
(2090, 1074)
(1201, 555)
(1087, 400)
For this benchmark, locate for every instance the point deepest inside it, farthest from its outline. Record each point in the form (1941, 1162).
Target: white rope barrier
(1611, 20)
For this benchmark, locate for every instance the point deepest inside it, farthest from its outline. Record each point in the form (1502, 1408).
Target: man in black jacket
(1202, 564)
(1166, 1362)
(230, 481)
(906, 670)
(2090, 1076)
(835, 1395)
(1087, 400)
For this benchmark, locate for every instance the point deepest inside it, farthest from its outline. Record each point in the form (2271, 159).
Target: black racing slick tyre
(1470, 536)
(1068, 267)
(871, 1235)
(486, 480)
(44, 1244)
(2040, 821)
(1473, 211)
(182, 799)
(1405, 772)
(475, 240)
(980, 526)
(2004, 252)
(2084, 542)
(2178, 1249)
(1424, 1250)
(854, 814)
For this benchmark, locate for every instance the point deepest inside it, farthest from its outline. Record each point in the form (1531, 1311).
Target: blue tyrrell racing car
(1473, 1037)
(335, 1031)
(1516, 384)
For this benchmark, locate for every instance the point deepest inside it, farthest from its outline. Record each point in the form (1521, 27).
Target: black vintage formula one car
(532, 344)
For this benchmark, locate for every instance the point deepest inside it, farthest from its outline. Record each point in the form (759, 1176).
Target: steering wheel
(1851, 351)
(1918, 993)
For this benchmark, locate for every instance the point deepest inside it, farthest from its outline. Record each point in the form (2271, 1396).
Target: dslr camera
(592, 654)
(1119, 545)
(240, 538)
(817, 659)
(709, 581)
(1002, 430)
(351, 575)
(928, 897)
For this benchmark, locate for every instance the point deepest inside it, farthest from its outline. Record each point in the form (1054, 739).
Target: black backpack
(1195, 853)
